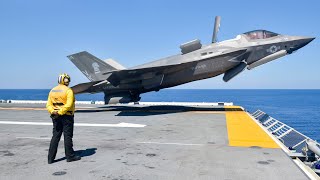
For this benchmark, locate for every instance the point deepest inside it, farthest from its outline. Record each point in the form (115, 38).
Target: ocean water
(299, 109)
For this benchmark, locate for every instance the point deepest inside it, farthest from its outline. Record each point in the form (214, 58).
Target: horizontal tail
(92, 67)
(83, 88)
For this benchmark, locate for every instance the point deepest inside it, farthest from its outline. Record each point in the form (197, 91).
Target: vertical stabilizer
(91, 66)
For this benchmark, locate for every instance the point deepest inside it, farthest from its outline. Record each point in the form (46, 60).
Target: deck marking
(75, 124)
(179, 144)
(22, 108)
(243, 131)
(38, 138)
(209, 112)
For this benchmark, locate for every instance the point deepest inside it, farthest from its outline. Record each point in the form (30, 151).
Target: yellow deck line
(243, 131)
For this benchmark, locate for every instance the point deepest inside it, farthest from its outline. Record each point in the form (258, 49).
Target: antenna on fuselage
(216, 29)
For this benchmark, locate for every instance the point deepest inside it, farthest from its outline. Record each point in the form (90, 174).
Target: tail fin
(91, 66)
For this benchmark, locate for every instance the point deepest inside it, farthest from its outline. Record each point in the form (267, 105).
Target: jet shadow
(153, 110)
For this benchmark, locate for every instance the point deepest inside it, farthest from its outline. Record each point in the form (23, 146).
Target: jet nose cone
(304, 41)
(299, 43)
(308, 39)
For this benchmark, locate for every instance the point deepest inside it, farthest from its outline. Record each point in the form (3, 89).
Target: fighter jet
(195, 62)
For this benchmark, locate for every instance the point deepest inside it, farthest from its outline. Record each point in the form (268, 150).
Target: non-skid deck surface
(150, 144)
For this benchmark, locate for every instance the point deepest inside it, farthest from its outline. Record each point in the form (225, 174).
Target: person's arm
(69, 105)
(49, 105)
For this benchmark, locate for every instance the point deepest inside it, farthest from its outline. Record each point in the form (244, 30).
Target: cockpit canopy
(260, 34)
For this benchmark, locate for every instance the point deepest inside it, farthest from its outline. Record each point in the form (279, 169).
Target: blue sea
(299, 109)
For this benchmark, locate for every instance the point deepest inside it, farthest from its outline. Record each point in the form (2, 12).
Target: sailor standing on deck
(61, 108)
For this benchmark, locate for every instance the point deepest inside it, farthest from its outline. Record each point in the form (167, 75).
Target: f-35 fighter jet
(195, 62)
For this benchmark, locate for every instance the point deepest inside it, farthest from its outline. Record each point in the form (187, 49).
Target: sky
(36, 36)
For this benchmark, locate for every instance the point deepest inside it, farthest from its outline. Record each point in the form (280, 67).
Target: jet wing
(131, 75)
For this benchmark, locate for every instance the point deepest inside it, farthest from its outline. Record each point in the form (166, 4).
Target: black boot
(50, 161)
(74, 158)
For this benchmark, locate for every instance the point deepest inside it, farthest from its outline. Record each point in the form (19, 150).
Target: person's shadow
(81, 153)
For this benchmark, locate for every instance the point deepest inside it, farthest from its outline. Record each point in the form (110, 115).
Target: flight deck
(144, 142)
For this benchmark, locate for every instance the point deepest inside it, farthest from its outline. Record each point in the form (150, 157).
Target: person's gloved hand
(54, 115)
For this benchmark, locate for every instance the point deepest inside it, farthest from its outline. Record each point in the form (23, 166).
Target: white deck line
(75, 124)
(179, 144)
(37, 138)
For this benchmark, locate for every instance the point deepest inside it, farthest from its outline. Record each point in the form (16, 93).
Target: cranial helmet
(64, 79)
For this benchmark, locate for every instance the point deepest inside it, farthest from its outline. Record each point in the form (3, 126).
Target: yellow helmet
(64, 79)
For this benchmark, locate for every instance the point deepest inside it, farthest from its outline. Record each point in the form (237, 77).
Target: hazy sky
(36, 37)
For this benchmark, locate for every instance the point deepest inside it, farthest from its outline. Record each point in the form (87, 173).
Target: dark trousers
(62, 124)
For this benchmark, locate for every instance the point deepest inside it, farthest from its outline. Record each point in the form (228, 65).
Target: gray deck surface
(181, 145)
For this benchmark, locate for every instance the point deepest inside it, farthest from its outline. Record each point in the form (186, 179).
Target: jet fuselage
(196, 62)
